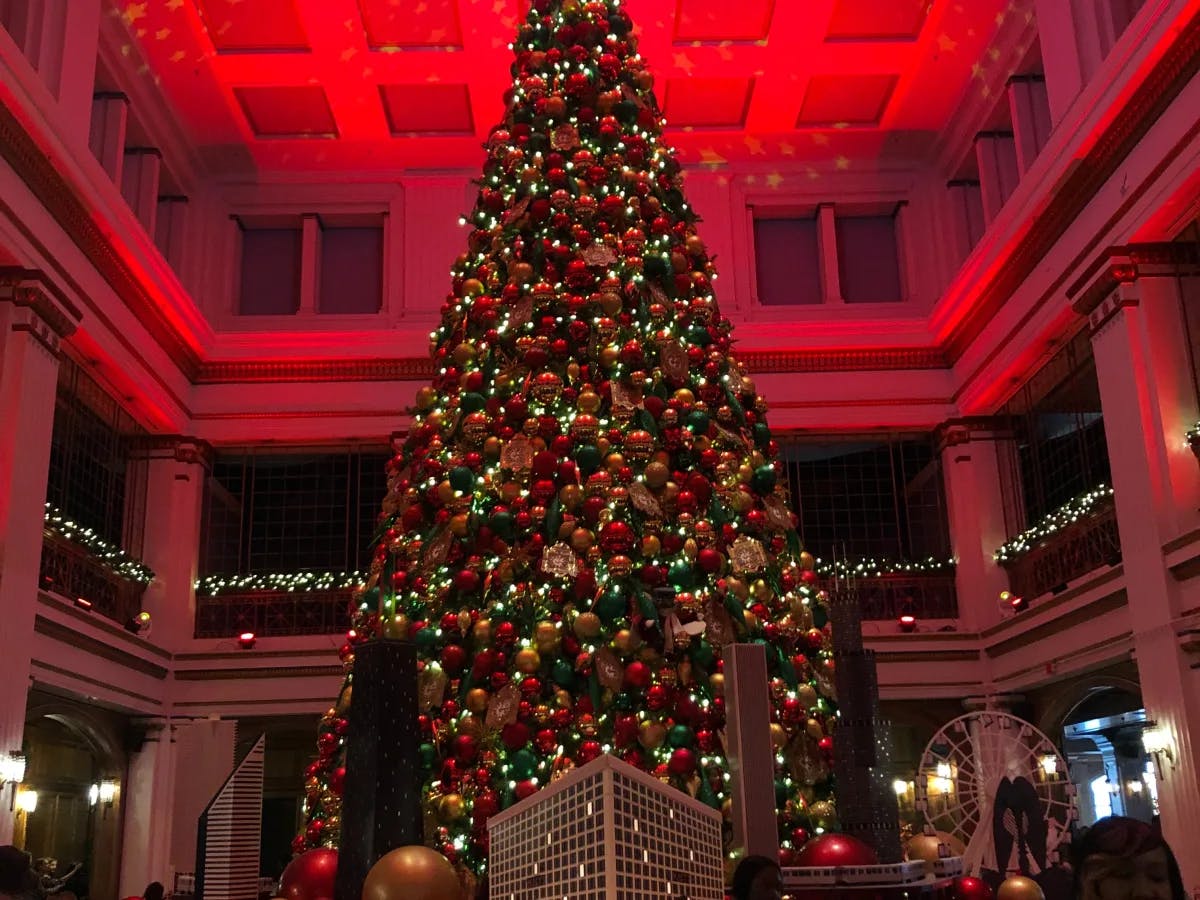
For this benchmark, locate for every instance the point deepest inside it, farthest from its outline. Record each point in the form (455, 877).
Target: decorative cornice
(74, 638)
(1135, 116)
(956, 432)
(29, 288)
(177, 447)
(59, 198)
(265, 672)
(884, 359)
(1125, 265)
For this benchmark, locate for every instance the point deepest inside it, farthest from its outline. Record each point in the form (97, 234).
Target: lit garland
(879, 568)
(292, 582)
(1081, 507)
(57, 522)
(1193, 435)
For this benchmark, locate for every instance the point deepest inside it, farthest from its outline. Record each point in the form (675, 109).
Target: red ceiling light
(247, 639)
(907, 623)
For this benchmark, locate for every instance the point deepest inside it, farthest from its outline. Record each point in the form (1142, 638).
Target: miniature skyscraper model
(862, 744)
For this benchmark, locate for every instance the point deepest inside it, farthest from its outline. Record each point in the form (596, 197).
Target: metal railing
(1067, 554)
(273, 613)
(72, 572)
(887, 597)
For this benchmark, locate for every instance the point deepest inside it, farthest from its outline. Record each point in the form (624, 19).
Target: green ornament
(680, 736)
(426, 638)
(762, 434)
(702, 654)
(562, 673)
(428, 755)
(698, 334)
(587, 458)
(462, 479)
(523, 763)
(681, 575)
(504, 524)
(763, 480)
(697, 421)
(612, 604)
(624, 701)
(820, 616)
(472, 402)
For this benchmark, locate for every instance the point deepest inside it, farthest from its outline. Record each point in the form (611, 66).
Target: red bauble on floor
(966, 887)
(829, 850)
(310, 876)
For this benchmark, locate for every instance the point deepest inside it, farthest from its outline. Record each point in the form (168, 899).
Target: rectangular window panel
(270, 282)
(788, 261)
(351, 271)
(868, 259)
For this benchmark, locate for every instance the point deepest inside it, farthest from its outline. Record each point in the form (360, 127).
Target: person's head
(757, 878)
(1125, 859)
(15, 870)
(154, 891)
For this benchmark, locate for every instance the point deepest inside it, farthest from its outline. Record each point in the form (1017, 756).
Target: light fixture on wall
(104, 793)
(139, 623)
(1049, 764)
(27, 801)
(1015, 602)
(12, 773)
(84, 603)
(1160, 744)
(247, 639)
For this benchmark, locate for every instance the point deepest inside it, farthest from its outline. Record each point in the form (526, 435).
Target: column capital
(50, 316)
(180, 448)
(955, 432)
(1104, 287)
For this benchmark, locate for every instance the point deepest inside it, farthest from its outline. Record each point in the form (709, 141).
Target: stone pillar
(1066, 73)
(34, 317)
(1029, 109)
(139, 184)
(966, 211)
(110, 118)
(76, 42)
(148, 794)
(177, 467)
(996, 156)
(751, 756)
(310, 265)
(1133, 303)
(975, 508)
(170, 231)
(831, 278)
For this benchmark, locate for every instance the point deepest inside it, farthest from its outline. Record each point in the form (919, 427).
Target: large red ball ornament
(683, 762)
(831, 850)
(310, 876)
(967, 887)
(466, 748)
(637, 674)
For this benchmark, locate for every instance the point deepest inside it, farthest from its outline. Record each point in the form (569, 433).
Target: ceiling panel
(300, 111)
(427, 108)
(720, 20)
(261, 26)
(707, 102)
(410, 23)
(833, 100)
(888, 20)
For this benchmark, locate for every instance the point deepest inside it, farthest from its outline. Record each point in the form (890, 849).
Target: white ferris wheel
(999, 786)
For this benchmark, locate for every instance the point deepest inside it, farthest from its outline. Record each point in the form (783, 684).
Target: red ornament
(466, 748)
(683, 762)
(515, 735)
(588, 751)
(310, 876)
(831, 850)
(454, 658)
(966, 887)
(637, 675)
(337, 780)
(525, 789)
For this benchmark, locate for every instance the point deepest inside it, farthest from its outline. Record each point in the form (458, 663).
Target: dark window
(1189, 295)
(868, 259)
(868, 497)
(1059, 451)
(291, 512)
(351, 270)
(95, 475)
(788, 261)
(270, 283)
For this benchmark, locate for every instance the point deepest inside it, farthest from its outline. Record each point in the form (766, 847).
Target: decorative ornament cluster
(59, 523)
(587, 508)
(291, 582)
(1082, 507)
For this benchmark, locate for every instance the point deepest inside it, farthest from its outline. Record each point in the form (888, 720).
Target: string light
(1084, 506)
(291, 582)
(879, 568)
(59, 523)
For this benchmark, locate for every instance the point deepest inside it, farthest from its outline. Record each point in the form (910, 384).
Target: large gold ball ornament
(588, 401)
(716, 683)
(651, 735)
(482, 632)
(923, 847)
(626, 641)
(807, 696)
(451, 808)
(477, 701)
(778, 736)
(651, 546)
(412, 873)
(587, 625)
(1018, 887)
(814, 728)
(527, 660)
(656, 474)
(545, 635)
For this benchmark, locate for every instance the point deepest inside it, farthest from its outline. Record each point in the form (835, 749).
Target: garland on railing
(292, 582)
(878, 568)
(57, 522)
(1082, 507)
(1193, 438)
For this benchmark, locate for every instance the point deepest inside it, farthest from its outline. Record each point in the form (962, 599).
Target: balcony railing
(71, 571)
(1068, 552)
(270, 613)
(926, 596)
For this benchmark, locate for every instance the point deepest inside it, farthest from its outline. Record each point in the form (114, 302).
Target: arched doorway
(75, 766)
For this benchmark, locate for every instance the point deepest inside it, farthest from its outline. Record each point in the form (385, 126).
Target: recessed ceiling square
(707, 102)
(301, 111)
(264, 26)
(833, 100)
(427, 108)
(430, 23)
(712, 21)
(877, 20)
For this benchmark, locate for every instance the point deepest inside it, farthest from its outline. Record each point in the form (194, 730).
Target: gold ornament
(747, 555)
(412, 873)
(477, 700)
(1018, 887)
(651, 734)
(527, 660)
(587, 625)
(559, 559)
(778, 736)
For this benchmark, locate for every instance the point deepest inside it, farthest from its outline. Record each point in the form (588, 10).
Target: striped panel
(231, 828)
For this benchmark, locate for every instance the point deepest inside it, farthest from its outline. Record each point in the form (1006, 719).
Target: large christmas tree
(587, 508)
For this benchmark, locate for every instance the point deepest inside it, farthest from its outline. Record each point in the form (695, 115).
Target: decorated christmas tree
(587, 508)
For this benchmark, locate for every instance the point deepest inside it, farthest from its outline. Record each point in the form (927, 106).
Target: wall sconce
(139, 623)
(27, 801)
(1015, 603)
(105, 792)
(12, 772)
(1134, 787)
(247, 639)
(1049, 764)
(1158, 742)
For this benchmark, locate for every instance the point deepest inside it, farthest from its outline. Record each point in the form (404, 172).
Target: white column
(966, 209)
(33, 320)
(996, 156)
(170, 230)
(1029, 109)
(310, 264)
(831, 278)
(975, 508)
(1148, 399)
(110, 117)
(148, 794)
(175, 476)
(751, 757)
(72, 77)
(139, 184)
(1067, 70)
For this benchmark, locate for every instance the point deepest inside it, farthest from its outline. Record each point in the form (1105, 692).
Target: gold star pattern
(787, 149)
(173, 5)
(820, 139)
(684, 62)
(774, 180)
(842, 162)
(710, 157)
(754, 145)
(133, 12)
(162, 34)
(946, 43)
(178, 56)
